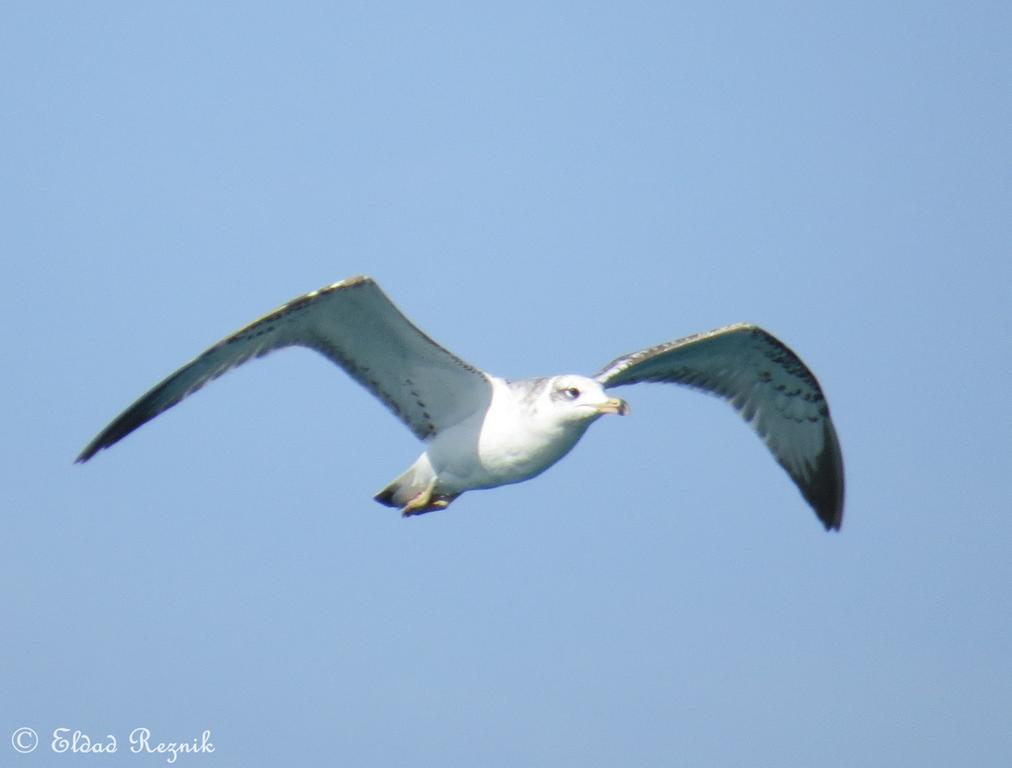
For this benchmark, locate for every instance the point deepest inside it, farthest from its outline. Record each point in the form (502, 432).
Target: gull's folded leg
(419, 503)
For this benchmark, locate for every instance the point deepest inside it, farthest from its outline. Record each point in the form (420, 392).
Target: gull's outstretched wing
(772, 389)
(355, 325)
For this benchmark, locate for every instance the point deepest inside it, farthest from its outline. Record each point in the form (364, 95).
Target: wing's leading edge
(770, 386)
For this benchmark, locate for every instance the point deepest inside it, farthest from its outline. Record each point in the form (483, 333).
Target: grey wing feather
(770, 386)
(355, 325)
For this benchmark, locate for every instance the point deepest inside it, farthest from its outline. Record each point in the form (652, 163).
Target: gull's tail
(414, 492)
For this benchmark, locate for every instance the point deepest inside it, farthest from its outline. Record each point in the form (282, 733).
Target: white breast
(520, 438)
(513, 441)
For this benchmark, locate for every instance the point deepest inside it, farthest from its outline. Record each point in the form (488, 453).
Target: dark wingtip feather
(112, 434)
(825, 489)
(93, 447)
(152, 403)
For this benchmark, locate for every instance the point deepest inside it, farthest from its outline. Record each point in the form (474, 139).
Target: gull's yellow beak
(614, 405)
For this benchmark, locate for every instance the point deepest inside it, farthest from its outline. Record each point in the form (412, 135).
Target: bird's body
(520, 436)
(482, 431)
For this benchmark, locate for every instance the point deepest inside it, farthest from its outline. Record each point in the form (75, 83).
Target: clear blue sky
(540, 187)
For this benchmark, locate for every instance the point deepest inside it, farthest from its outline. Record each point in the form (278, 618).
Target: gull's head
(577, 398)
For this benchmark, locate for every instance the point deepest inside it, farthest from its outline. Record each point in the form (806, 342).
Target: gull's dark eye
(571, 393)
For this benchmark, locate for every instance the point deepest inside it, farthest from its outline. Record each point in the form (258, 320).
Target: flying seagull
(481, 431)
